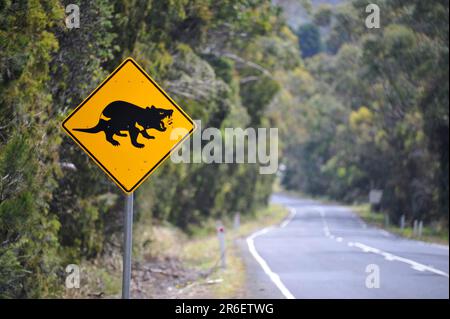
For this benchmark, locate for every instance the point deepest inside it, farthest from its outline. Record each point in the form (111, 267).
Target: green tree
(28, 148)
(309, 39)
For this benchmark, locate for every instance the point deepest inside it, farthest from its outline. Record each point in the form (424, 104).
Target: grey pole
(221, 236)
(402, 222)
(237, 221)
(127, 243)
(420, 230)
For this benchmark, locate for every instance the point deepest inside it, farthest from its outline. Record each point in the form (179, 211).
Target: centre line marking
(391, 257)
(289, 218)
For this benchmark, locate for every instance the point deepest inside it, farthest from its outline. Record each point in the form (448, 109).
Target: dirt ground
(167, 278)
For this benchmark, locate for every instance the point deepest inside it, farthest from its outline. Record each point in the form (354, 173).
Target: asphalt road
(326, 251)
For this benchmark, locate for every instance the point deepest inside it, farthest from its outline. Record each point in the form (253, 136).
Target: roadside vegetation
(230, 282)
(433, 233)
(170, 264)
(217, 59)
(369, 110)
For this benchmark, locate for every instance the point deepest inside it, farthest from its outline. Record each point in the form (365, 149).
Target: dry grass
(430, 234)
(194, 261)
(204, 253)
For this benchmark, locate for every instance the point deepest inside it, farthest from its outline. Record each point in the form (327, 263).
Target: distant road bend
(326, 251)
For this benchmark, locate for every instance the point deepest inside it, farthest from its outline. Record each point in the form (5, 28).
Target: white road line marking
(391, 257)
(339, 239)
(273, 276)
(350, 231)
(326, 229)
(290, 217)
(385, 233)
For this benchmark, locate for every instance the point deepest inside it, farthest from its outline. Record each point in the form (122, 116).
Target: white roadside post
(221, 236)
(420, 228)
(127, 246)
(375, 196)
(402, 222)
(415, 224)
(237, 221)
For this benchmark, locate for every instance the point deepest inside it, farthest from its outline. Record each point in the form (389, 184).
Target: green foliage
(390, 87)
(28, 149)
(309, 39)
(323, 14)
(216, 58)
(28, 232)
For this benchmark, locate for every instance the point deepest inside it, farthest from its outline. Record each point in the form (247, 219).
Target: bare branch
(249, 79)
(238, 59)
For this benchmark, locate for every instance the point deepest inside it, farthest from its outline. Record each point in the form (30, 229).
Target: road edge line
(273, 276)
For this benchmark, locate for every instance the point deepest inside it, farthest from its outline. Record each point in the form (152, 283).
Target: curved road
(326, 251)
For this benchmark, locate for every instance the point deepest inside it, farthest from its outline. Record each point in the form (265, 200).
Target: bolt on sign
(125, 125)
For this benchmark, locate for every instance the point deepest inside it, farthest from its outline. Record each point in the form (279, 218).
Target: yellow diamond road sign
(125, 125)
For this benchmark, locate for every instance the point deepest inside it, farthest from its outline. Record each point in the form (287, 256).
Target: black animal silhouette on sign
(123, 116)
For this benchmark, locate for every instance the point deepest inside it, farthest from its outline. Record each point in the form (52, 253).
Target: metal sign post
(127, 245)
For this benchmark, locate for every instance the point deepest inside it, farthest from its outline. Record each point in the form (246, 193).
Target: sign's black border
(94, 158)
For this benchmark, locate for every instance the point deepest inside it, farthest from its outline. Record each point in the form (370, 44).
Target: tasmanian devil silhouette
(123, 116)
